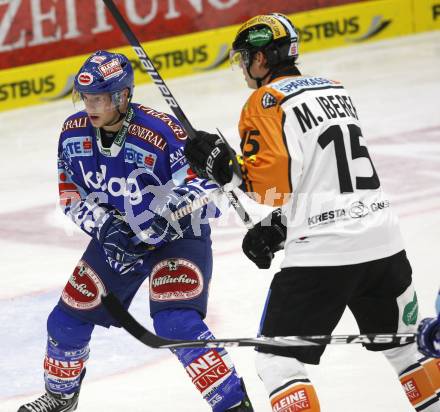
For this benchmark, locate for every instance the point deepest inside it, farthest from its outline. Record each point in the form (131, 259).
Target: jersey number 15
(335, 134)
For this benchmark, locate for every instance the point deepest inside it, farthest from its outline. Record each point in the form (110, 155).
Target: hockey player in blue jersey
(121, 169)
(428, 337)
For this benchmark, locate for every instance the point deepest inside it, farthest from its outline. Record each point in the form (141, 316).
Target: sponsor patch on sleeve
(268, 100)
(142, 158)
(77, 146)
(178, 131)
(76, 123)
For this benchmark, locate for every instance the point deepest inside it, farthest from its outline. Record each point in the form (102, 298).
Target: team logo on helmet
(84, 79)
(293, 50)
(98, 59)
(276, 27)
(111, 69)
(260, 37)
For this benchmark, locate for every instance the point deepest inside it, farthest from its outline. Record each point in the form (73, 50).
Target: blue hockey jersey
(132, 176)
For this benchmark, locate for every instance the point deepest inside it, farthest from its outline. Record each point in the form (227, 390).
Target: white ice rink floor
(396, 85)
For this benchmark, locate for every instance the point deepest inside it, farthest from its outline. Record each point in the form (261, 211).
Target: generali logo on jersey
(207, 370)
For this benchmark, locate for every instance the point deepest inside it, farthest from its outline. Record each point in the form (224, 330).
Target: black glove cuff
(274, 228)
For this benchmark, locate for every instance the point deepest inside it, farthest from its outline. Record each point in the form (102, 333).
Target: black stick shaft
(169, 98)
(132, 326)
(149, 67)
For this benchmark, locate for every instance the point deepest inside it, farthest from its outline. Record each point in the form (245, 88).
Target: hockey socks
(432, 369)
(295, 395)
(67, 352)
(416, 381)
(418, 389)
(286, 381)
(64, 367)
(211, 370)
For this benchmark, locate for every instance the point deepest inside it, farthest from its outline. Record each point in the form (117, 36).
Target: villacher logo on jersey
(178, 279)
(84, 289)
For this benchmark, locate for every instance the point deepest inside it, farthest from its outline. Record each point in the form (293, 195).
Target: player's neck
(114, 127)
(119, 117)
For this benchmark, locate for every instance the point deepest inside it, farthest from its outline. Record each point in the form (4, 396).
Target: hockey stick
(132, 326)
(172, 102)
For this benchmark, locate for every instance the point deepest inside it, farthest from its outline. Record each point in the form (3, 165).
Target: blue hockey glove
(115, 237)
(167, 229)
(264, 239)
(428, 337)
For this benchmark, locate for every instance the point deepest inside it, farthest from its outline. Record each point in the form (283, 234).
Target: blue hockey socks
(67, 352)
(211, 370)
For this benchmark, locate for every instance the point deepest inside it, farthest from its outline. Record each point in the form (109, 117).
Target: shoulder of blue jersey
(78, 120)
(159, 123)
(76, 136)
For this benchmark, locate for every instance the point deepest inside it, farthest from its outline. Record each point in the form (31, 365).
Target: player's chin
(96, 120)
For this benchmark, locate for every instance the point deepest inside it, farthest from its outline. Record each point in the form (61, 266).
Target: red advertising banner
(33, 31)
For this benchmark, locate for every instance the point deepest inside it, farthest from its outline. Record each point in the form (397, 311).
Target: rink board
(208, 50)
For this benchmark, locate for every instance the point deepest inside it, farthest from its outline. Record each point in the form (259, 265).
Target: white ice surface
(396, 86)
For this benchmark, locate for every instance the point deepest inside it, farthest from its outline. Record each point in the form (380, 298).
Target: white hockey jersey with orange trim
(303, 149)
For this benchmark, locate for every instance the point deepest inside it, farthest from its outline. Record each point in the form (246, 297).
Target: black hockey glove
(209, 157)
(264, 239)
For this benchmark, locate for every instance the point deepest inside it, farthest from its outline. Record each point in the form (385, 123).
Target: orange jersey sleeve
(266, 160)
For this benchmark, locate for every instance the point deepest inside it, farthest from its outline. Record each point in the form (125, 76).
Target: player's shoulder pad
(263, 99)
(146, 132)
(78, 120)
(160, 123)
(292, 85)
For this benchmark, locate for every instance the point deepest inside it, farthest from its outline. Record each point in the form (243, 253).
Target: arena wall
(43, 44)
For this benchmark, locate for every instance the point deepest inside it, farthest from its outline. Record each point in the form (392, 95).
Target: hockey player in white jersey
(303, 150)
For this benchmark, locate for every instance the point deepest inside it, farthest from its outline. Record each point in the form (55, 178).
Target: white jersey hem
(292, 259)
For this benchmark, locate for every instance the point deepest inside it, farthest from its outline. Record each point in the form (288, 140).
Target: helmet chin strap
(121, 116)
(259, 80)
